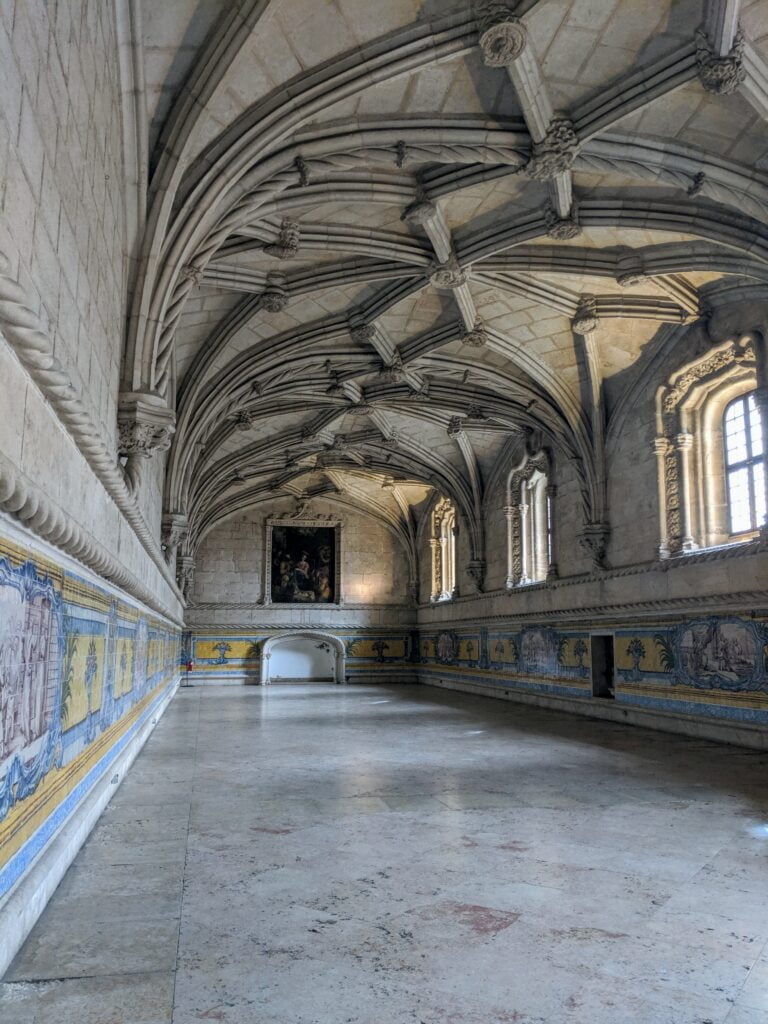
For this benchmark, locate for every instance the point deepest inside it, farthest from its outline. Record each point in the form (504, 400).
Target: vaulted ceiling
(388, 240)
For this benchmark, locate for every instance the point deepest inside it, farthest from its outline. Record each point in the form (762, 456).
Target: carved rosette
(720, 75)
(448, 274)
(145, 425)
(503, 36)
(555, 153)
(287, 244)
(274, 298)
(585, 319)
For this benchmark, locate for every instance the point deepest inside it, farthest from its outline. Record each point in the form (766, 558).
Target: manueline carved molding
(28, 335)
(33, 507)
(720, 75)
(555, 153)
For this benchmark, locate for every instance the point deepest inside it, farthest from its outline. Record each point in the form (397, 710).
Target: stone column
(511, 516)
(522, 510)
(661, 447)
(551, 546)
(437, 573)
(683, 445)
(539, 534)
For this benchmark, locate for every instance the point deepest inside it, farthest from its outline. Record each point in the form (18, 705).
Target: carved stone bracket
(274, 298)
(287, 244)
(449, 274)
(555, 153)
(145, 425)
(720, 75)
(174, 531)
(503, 36)
(185, 575)
(561, 228)
(585, 319)
(594, 541)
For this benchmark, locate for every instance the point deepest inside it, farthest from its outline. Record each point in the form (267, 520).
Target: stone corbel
(585, 319)
(594, 542)
(145, 427)
(274, 298)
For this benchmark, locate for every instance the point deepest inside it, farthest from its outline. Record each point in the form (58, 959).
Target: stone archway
(296, 637)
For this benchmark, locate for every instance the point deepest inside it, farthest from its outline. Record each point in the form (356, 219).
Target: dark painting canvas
(303, 565)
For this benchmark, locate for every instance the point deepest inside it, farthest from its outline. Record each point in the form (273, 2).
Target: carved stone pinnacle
(720, 75)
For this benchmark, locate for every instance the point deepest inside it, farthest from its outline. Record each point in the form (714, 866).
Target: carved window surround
(443, 548)
(528, 512)
(693, 507)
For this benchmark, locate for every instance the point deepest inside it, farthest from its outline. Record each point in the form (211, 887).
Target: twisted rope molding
(26, 332)
(31, 505)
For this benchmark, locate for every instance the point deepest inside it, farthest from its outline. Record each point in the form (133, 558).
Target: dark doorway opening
(602, 666)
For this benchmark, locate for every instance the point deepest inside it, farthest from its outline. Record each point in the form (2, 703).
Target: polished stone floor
(329, 855)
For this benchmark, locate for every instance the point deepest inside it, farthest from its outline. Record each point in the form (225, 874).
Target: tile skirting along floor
(388, 855)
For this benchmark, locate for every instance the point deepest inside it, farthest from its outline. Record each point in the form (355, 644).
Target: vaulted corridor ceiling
(386, 240)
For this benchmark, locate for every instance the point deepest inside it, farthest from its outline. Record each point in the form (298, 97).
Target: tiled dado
(81, 668)
(715, 665)
(236, 656)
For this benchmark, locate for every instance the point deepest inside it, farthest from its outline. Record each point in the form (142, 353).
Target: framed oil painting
(303, 556)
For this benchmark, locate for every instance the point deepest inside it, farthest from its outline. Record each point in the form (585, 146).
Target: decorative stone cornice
(561, 228)
(503, 36)
(720, 75)
(555, 153)
(145, 425)
(274, 298)
(287, 244)
(448, 274)
(477, 337)
(585, 319)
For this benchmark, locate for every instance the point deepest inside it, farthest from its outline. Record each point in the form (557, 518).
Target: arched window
(443, 551)
(529, 522)
(744, 464)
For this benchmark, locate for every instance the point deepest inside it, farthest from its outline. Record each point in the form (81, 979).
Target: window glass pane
(755, 430)
(758, 480)
(735, 434)
(738, 500)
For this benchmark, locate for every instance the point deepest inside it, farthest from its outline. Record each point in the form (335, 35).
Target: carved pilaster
(437, 567)
(683, 446)
(513, 546)
(552, 572)
(661, 447)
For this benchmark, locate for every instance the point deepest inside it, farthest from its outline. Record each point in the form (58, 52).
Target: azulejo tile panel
(716, 665)
(79, 665)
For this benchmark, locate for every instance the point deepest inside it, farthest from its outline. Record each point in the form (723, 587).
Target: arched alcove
(304, 655)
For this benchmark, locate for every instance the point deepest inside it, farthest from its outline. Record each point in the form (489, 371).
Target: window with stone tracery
(443, 543)
(744, 464)
(529, 522)
(710, 448)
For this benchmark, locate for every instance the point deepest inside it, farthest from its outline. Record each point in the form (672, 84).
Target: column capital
(145, 424)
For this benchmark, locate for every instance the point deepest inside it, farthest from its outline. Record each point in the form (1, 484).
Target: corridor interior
(384, 854)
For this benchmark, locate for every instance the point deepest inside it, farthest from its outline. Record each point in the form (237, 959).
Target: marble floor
(389, 855)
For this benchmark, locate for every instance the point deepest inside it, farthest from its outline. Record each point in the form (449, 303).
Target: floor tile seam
(184, 866)
(83, 977)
